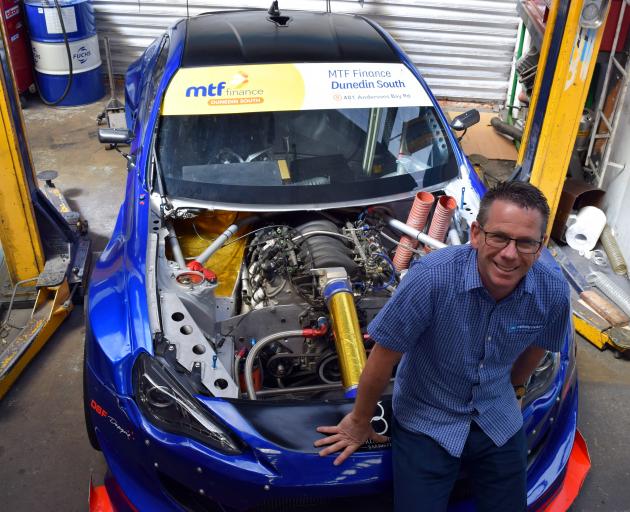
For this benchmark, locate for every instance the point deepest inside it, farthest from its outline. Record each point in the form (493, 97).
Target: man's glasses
(500, 241)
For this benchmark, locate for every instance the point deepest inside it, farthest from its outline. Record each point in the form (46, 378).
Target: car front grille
(371, 503)
(187, 498)
(192, 501)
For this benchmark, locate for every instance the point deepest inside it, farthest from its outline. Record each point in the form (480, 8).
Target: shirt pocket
(516, 339)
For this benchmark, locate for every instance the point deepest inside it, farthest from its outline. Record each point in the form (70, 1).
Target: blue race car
(283, 168)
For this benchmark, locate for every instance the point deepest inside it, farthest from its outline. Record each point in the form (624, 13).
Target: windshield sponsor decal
(278, 87)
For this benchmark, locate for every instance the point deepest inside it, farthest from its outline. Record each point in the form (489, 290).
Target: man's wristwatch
(520, 391)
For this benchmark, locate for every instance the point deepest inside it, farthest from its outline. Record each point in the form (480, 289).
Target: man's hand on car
(347, 437)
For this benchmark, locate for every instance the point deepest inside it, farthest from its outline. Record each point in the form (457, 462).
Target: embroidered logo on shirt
(522, 327)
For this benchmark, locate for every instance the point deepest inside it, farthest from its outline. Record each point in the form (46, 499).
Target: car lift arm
(57, 263)
(18, 230)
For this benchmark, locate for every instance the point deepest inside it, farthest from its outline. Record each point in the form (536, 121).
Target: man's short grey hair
(520, 193)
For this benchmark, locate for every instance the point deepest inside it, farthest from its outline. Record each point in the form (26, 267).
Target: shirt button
(481, 366)
(489, 338)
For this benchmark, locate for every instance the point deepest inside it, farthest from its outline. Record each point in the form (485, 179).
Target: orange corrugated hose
(442, 216)
(417, 219)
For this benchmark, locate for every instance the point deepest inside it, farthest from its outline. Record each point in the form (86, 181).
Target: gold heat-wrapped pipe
(348, 337)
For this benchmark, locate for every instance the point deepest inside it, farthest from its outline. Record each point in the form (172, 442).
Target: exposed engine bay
(276, 305)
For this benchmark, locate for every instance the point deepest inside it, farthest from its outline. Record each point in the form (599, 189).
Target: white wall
(617, 183)
(463, 48)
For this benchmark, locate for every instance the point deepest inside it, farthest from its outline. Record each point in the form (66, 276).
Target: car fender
(117, 312)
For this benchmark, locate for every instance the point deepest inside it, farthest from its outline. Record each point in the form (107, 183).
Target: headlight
(167, 405)
(543, 376)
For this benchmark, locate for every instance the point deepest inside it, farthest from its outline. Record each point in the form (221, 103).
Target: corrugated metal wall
(463, 48)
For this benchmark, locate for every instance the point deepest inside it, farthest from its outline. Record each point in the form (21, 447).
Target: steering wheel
(258, 155)
(226, 156)
(229, 156)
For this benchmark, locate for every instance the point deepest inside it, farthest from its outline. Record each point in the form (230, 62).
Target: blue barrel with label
(51, 57)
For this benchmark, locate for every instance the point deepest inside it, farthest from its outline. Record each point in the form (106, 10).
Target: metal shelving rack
(598, 169)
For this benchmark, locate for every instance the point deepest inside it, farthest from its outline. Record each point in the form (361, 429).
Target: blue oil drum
(50, 55)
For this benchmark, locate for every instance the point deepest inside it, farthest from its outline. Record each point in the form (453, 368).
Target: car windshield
(304, 156)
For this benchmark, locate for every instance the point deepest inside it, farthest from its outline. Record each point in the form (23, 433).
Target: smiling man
(468, 324)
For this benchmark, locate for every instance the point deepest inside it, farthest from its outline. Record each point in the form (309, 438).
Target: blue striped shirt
(459, 344)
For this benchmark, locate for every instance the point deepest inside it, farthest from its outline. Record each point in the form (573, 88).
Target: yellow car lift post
(54, 268)
(565, 68)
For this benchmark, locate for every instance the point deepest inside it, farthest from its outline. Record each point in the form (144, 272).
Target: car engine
(277, 305)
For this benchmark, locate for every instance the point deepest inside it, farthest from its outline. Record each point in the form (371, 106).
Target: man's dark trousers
(425, 473)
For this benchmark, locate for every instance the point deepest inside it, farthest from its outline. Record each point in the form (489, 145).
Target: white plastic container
(584, 229)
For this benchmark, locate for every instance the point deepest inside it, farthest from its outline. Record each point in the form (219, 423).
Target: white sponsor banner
(281, 87)
(360, 85)
(52, 58)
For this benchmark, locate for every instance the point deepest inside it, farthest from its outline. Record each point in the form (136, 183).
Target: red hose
(442, 219)
(417, 219)
(313, 333)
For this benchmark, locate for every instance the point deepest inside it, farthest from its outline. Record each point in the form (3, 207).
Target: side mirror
(114, 136)
(465, 120)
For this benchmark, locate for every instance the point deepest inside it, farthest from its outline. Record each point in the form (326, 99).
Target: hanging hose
(442, 218)
(614, 292)
(417, 219)
(70, 70)
(617, 261)
(506, 129)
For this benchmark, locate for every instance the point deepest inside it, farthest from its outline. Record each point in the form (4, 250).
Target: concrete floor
(92, 179)
(45, 458)
(604, 420)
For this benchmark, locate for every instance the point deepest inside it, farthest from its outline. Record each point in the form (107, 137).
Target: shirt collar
(472, 278)
(527, 283)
